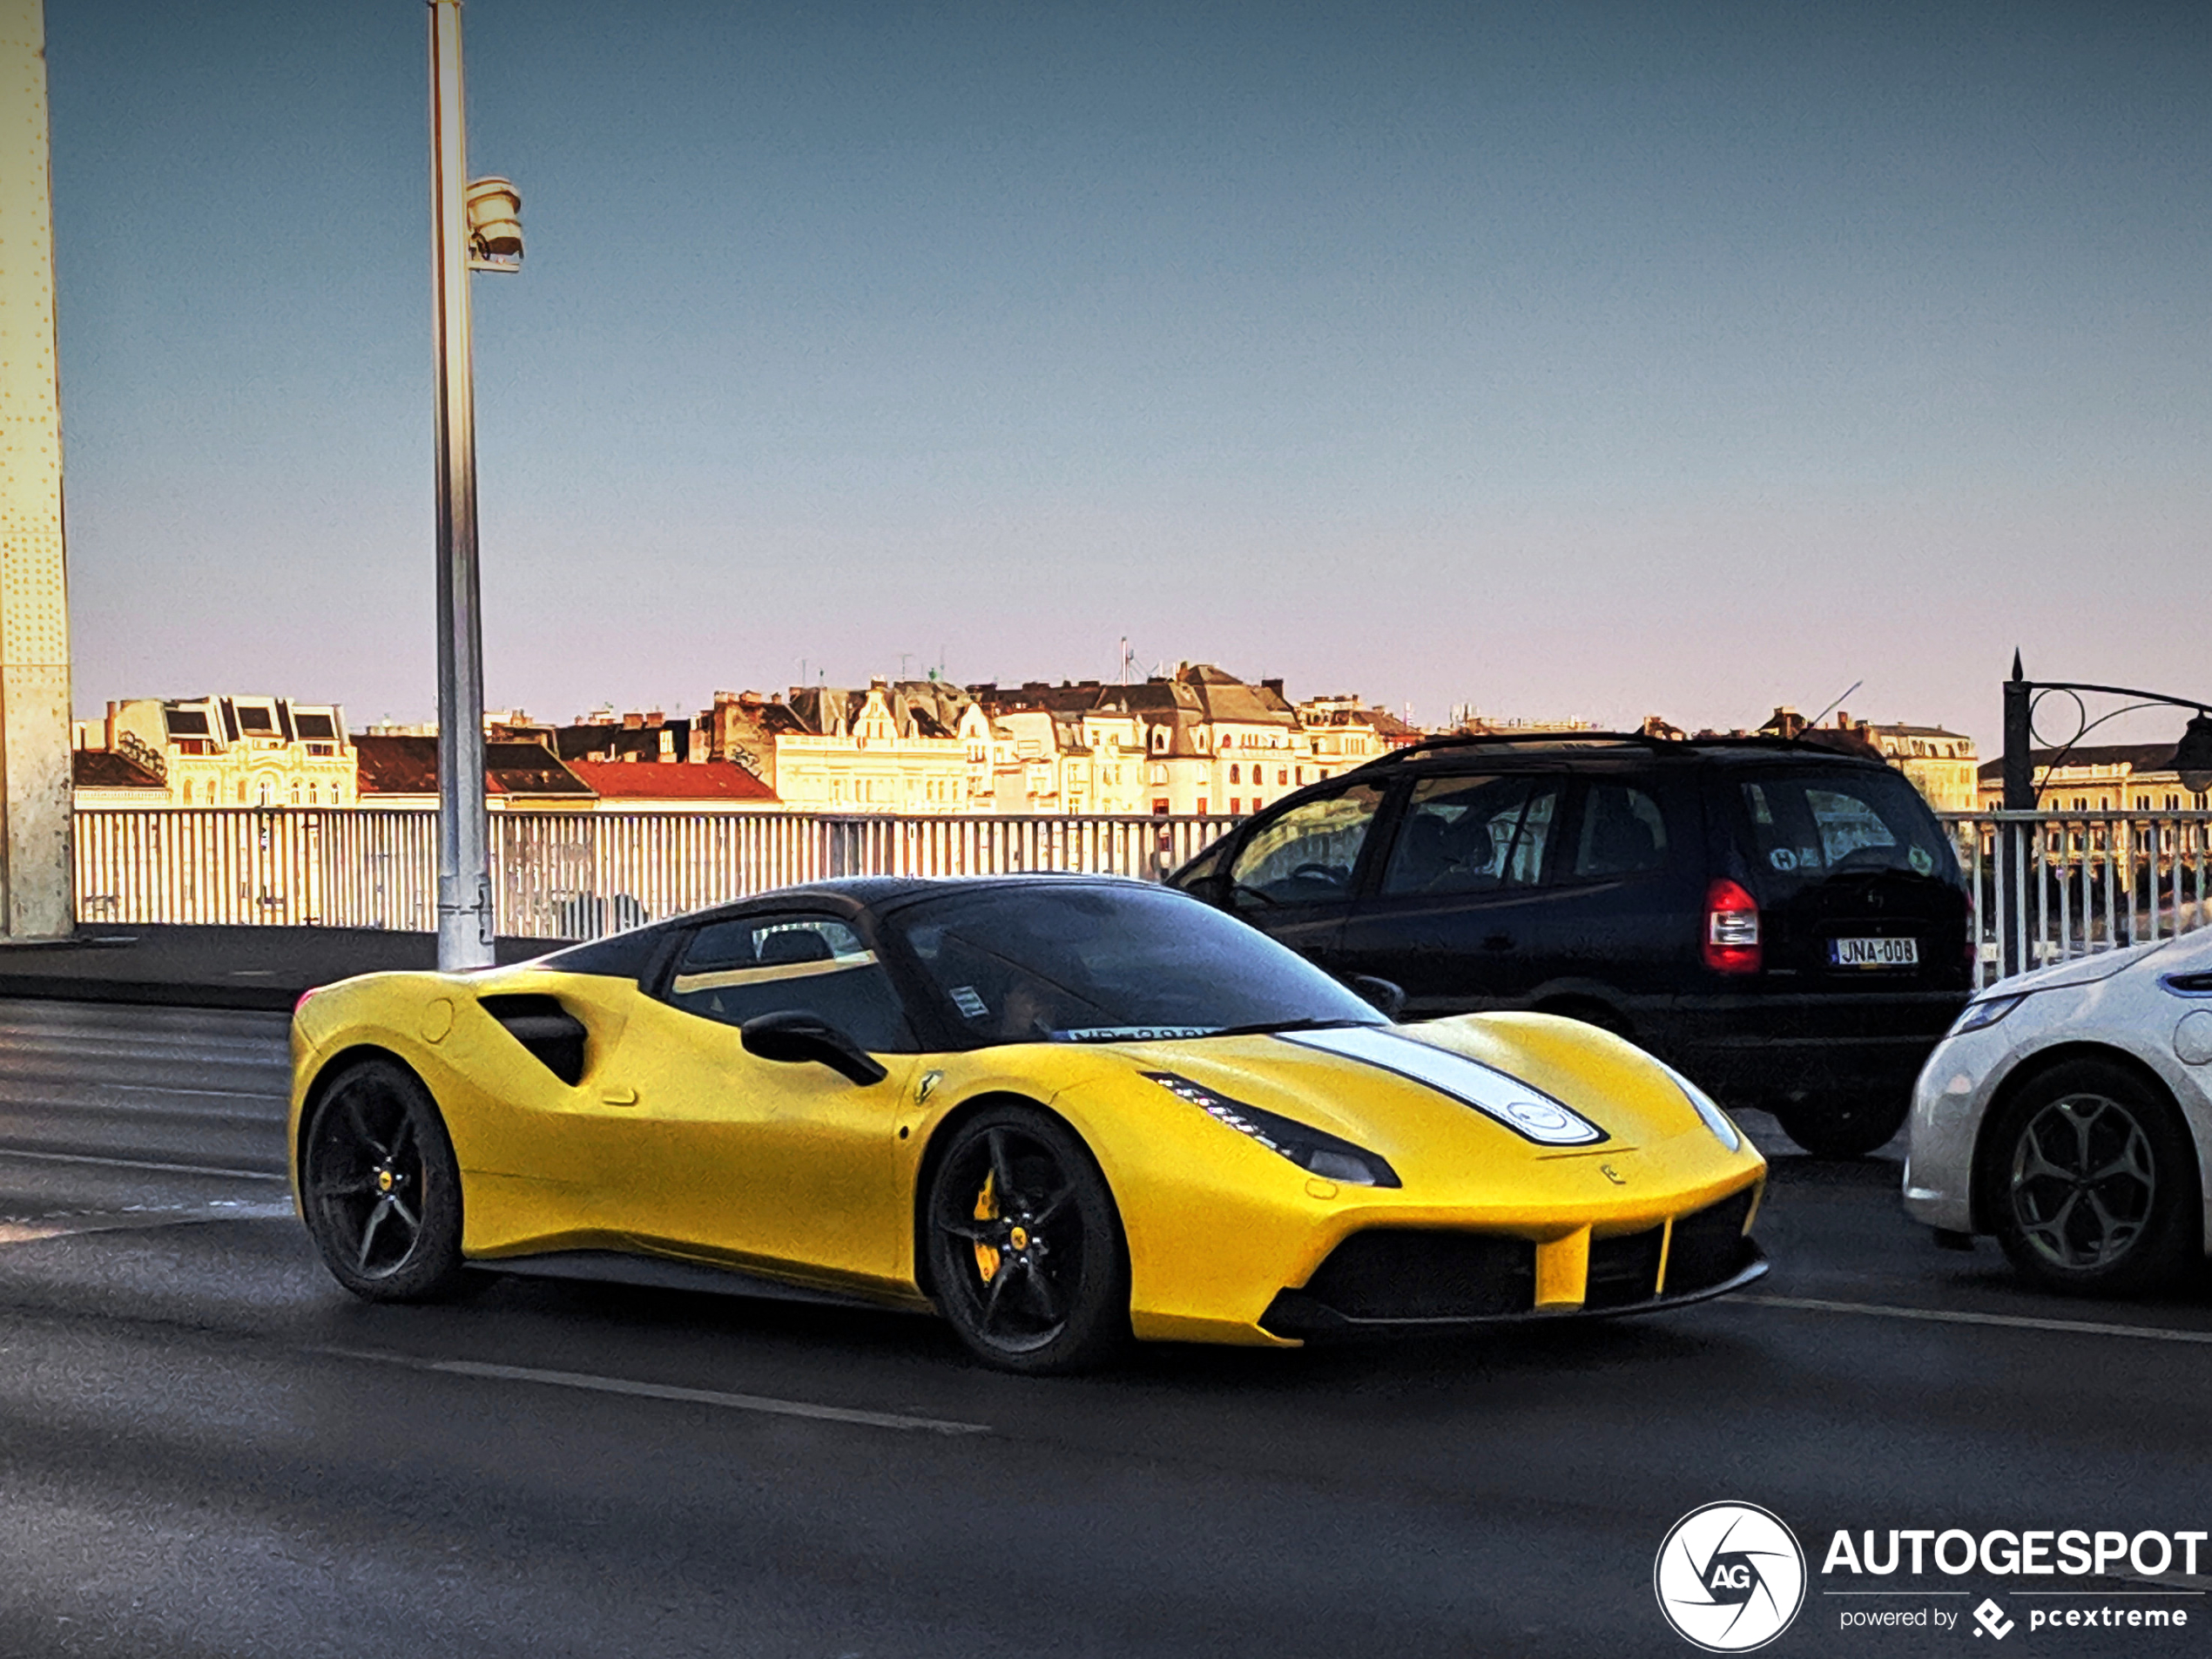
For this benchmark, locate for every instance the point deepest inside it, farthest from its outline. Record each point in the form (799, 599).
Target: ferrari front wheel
(1025, 1247)
(379, 1188)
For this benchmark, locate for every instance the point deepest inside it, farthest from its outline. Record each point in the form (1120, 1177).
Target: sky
(1572, 359)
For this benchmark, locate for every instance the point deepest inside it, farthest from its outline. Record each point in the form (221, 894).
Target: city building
(2100, 778)
(877, 751)
(226, 750)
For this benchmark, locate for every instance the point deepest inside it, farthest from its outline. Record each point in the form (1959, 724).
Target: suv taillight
(1731, 938)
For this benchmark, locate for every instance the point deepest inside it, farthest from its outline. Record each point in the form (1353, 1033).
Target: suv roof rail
(1476, 739)
(1571, 739)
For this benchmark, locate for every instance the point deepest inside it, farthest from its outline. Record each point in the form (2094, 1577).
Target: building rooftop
(704, 780)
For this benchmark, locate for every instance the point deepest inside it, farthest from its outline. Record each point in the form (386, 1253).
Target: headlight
(1987, 1011)
(1716, 1120)
(1313, 1149)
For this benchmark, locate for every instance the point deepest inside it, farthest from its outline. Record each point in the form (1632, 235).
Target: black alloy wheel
(379, 1186)
(1841, 1127)
(2090, 1182)
(1026, 1253)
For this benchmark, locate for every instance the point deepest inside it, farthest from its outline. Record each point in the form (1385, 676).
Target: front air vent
(546, 1029)
(1709, 1246)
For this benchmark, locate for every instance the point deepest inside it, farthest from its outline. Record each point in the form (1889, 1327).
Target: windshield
(1073, 962)
(1806, 826)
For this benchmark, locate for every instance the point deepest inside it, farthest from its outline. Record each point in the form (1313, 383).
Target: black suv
(1785, 923)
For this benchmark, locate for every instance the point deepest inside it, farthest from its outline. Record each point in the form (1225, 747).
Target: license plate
(1874, 953)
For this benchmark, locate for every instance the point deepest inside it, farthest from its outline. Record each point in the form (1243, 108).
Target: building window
(1282, 774)
(1204, 807)
(1233, 777)
(1236, 805)
(1159, 808)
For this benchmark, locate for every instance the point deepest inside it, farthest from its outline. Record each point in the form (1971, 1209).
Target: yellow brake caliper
(986, 1208)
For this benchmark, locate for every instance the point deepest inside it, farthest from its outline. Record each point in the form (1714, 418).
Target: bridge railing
(2051, 885)
(2046, 885)
(559, 875)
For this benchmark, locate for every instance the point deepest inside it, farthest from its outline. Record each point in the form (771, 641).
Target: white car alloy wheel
(2091, 1182)
(2083, 1182)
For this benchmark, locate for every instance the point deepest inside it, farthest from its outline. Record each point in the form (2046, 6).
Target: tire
(1842, 1128)
(1037, 1282)
(380, 1187)
(2090, 1183)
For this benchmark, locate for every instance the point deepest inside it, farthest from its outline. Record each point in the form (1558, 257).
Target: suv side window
(1474, 835)
(734, 971)
(1623, 833)
(1307, 856)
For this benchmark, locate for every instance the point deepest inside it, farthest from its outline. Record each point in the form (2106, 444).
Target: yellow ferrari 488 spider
(1059, 1110)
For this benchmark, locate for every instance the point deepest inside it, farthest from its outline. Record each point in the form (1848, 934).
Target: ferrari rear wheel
(379, 1186)
(1025, 1247)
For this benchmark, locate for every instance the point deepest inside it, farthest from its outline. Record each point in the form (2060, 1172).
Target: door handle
(619, 1096)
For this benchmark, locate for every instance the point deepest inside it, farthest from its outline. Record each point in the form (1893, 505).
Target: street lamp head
(2193, 754)
(495, 222)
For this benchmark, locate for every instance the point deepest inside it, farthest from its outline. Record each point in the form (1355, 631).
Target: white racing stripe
(591, 1383)
(1948, 1316)
(1521, 1107)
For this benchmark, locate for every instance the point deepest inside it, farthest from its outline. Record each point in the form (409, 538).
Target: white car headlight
(1986, 1011)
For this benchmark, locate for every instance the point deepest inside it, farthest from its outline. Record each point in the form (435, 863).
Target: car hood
(1518, 1085)
(2082, 970)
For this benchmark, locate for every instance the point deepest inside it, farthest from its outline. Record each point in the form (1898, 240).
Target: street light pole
(464, 862)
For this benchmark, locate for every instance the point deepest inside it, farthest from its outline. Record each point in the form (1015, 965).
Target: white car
(2069, 1112)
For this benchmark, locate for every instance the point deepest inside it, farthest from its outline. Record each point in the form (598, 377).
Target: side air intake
(546, 1029)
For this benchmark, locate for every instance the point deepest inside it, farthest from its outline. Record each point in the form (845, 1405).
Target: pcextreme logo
(1729, 1577)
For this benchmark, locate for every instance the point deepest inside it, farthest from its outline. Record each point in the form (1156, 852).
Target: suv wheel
(1833, 1128)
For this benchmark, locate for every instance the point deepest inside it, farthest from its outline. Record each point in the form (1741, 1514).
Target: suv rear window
(1807, 825)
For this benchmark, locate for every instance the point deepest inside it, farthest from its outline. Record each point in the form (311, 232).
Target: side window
(1474, 835)
(1623, 833)
(733, 971)
(1308, 855)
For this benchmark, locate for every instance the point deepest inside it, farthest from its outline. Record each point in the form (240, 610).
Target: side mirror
(1385, 998)
(797, 1038)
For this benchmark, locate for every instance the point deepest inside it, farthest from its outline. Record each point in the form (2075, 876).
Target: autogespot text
(2001, 1554)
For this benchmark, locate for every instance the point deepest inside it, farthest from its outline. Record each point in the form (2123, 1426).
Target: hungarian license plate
(1874, 953)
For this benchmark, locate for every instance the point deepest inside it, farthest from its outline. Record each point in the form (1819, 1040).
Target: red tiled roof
(408, 765)
(667, 781)
(104, 769)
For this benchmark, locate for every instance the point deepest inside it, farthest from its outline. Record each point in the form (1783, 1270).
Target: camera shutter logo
(1729, 1577)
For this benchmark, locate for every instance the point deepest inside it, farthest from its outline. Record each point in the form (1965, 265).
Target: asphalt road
(206, 1447)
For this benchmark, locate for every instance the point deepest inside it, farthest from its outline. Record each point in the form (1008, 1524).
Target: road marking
(7, 1152)
(663, 1391)
(2010, 1321)
(114, 1221)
